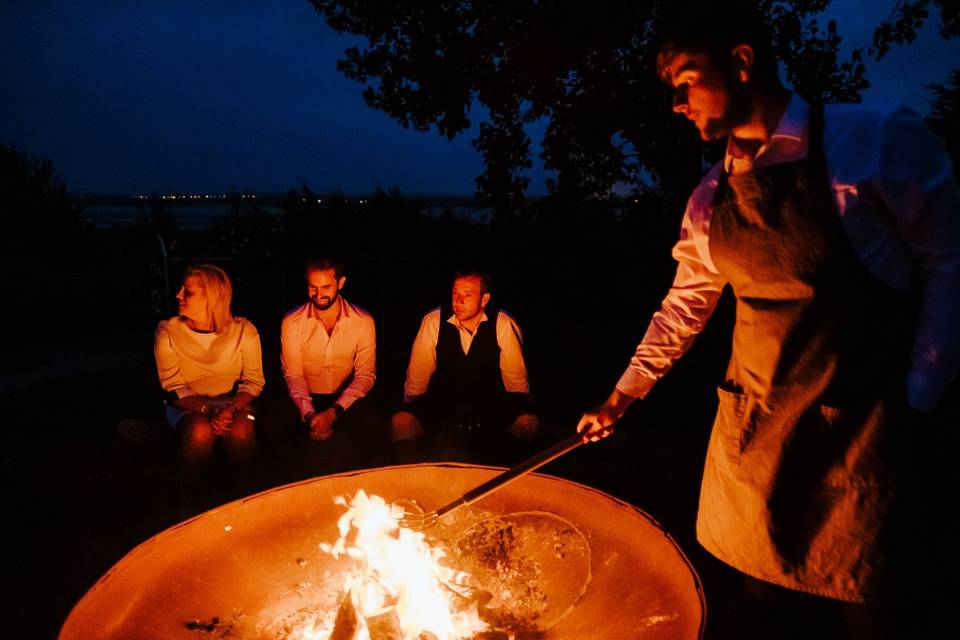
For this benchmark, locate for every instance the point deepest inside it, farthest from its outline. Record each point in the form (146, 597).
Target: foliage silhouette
(45, 244)
(44, 226)
(945, 115)
(587, 68)
(907, 19)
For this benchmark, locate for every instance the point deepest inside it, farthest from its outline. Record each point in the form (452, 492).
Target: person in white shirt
(209, 364)
(328, 356)
(467, 378)
(838, 229)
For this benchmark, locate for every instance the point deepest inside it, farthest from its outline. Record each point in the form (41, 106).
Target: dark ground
(77, 498)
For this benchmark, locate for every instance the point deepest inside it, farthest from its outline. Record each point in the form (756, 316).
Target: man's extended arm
(513, 369)
(423, 357)
(682, 315)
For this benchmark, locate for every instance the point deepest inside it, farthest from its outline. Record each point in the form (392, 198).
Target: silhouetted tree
(245, 230)
(44, 244)
(302, 224)
(945, 115)
(907, 19)
(586, 67)
(156, 218)
(43, 225)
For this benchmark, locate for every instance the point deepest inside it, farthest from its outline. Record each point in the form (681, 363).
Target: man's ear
(484, 299)
(342, 281)
(741, 57)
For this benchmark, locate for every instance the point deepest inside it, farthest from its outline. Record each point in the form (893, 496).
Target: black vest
(471, 378)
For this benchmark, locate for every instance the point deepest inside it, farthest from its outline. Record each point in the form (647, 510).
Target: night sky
(142, 97)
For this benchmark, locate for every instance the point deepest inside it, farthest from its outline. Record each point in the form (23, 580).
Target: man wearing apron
(838, 230)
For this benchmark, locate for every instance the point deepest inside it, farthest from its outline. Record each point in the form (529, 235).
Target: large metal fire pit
(233, 570)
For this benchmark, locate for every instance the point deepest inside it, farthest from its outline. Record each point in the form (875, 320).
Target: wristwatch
(337, 409)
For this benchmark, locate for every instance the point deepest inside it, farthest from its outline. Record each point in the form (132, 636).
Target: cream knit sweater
(208, 364)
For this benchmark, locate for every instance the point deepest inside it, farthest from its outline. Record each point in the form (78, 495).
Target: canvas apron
(802, 485)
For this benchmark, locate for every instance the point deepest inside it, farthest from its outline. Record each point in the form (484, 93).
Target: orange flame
(397, 573)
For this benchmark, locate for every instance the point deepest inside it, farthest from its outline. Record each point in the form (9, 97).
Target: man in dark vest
(466, 381)
(838, 230)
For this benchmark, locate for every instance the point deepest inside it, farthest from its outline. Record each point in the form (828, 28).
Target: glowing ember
(397, 587)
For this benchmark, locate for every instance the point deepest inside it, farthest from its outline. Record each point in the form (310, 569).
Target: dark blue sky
(180, 95)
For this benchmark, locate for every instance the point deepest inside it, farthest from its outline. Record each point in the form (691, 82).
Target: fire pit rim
(145, 546)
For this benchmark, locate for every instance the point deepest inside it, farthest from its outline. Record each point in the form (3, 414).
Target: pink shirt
(899, 204)
(314, 361)
(423, 356)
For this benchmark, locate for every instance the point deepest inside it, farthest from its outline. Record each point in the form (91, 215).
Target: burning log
(397, 584)
(385, 626)
(346, 624)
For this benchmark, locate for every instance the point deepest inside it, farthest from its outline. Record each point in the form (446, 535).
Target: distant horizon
(187, 197)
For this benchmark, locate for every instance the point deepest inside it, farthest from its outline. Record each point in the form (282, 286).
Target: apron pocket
(854, 440)
(729, 425)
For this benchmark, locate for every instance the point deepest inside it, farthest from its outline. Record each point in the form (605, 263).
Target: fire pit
(248, 568)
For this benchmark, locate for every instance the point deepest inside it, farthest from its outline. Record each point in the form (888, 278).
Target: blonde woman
(210, 366)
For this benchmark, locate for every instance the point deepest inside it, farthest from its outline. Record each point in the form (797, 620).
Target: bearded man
(328, 356)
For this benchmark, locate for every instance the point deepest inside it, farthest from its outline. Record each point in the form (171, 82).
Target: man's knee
(405, 426)
(525, 428)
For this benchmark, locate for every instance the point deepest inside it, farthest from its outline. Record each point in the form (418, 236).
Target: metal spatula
(425, 520)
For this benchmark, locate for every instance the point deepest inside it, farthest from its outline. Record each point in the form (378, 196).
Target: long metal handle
(505, 478)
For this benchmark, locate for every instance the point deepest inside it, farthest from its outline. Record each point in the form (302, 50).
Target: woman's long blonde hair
(219, 292)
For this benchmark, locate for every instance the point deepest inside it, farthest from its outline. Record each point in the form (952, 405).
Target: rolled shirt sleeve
(688, 304)
(513, 369)
(423, 357)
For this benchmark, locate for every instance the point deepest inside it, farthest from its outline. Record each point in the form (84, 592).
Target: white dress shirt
(315, 361)
(423, 356)
(898, 202)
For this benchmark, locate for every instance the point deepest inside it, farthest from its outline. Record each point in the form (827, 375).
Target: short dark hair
(714, 28)
(323, 264)
(486, 282)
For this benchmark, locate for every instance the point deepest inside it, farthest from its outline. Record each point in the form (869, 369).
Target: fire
(398, 585)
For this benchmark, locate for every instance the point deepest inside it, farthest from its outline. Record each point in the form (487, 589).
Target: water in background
(187, 216)
(115, 212)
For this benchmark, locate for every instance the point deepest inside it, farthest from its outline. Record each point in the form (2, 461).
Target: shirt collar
(789, 139)
(454, 321)
(344, 309)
